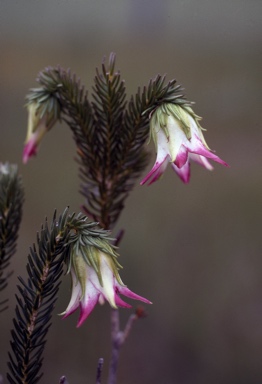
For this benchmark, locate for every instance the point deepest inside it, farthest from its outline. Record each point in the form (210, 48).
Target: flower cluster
(178, 138)
(111, 155)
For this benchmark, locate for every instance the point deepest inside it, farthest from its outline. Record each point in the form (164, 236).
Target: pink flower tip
(29, 151)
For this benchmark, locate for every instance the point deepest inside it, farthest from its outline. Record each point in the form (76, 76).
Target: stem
(115, 342)
(128, 327)
(118, 338)
(63, 380)
(99, 370)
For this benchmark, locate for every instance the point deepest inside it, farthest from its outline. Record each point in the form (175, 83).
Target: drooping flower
(178, 138)
(39, 122)
(95, 279)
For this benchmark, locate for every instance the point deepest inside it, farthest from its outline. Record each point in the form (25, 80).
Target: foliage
(11, 202)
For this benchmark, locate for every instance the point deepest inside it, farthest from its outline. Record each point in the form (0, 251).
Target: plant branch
(110, 135)
(38, 295)
(118, 338)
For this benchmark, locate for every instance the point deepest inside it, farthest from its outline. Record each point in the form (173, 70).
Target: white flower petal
(108, 277)
(177, 137)
(162, 147)
(88, 302)
(75, 296)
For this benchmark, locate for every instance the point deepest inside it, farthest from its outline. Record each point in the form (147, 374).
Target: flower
(178, 138)
(96, 283)
(39, 122)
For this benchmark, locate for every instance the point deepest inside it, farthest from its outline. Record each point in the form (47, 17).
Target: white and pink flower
(178, 139)
(88, 289)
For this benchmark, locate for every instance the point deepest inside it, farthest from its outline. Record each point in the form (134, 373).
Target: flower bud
(39, 122)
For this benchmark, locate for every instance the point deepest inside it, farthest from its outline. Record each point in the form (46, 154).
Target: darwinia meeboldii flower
(39, 122)
(95, 279)
(178, 138)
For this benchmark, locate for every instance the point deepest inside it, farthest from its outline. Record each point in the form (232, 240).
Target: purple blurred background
(194, 250)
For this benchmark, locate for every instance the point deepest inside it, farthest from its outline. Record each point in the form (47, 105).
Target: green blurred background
(194, 250)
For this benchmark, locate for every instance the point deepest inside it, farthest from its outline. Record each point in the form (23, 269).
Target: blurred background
(194, 250)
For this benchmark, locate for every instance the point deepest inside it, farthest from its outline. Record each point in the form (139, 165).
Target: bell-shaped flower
(95, 279)
(178, 138)
(39, 122)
